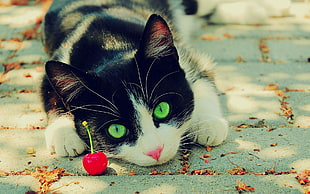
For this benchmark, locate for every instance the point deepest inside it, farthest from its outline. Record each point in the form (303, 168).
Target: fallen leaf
(271, 86)
(240, 59)
(274, 144)
(237, 171)
(270, 129)
(209, 148)
(132, 172)
(210, 37)
(30, 150)
(228, 35)
(242, 187)
(3, 173)
(19, 2)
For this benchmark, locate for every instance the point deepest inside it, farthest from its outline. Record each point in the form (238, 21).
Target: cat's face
(138, 108)
(141, 122)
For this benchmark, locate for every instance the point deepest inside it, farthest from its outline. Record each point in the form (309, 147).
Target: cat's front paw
(212, 132)
(62, 139)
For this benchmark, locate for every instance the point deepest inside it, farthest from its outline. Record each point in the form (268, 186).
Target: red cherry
(95, 163)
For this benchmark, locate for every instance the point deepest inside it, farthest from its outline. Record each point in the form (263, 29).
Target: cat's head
(137, 108)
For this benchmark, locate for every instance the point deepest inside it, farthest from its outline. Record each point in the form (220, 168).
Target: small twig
(234, 163)
(225, 154)
(254, 155)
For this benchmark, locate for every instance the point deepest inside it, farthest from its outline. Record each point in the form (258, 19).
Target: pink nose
(155, 153)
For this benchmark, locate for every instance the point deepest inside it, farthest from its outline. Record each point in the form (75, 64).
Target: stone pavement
(263, 77)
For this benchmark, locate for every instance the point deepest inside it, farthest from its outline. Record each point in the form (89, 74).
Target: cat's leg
(61, 137)
(208, 125)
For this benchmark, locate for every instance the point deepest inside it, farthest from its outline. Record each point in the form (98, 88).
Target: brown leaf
(274, 144)
(242, 187)
(237, 171)
(209, 148)
(19, 2)
(271, 86)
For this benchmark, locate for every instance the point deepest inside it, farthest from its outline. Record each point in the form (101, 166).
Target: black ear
(157, 40)
(66, 80)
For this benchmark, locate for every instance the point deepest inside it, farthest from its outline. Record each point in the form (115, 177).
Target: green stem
(85, 124)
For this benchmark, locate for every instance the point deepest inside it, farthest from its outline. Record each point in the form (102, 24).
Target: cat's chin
(141, 158)
(145, 162)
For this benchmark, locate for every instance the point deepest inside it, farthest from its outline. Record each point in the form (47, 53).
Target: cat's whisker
(95, 105)
(139, 76)
(194, 129)
(147, 76)
(167, 93)
(187, 144)
(189, 135)
(100, 96)
(131, 89)
(184, 149)
(93, 110)
(159, 82)
(105, 123)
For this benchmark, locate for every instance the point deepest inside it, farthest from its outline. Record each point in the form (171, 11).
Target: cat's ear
(157, 39)
(66, 80)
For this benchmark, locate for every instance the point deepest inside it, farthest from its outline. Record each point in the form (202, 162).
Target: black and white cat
(118, 65)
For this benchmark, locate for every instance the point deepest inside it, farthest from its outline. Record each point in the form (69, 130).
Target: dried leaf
(3, 173)
(242, 187)
(271, 86)
(228, 35)
(210, 37)
(19, 2)
(237, 171)
(270, 129)
(274, 144)
(132, 172)
(209, 148)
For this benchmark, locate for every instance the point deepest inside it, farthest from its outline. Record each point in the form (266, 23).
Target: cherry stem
(85, 124)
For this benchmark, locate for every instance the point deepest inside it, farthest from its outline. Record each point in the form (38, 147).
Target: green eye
(162, 110)
(117, 131)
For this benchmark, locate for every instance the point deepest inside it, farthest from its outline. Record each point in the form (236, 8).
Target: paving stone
(289, 50)
(225, 50)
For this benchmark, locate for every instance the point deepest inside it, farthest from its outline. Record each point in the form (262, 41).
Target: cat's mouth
(157, 156)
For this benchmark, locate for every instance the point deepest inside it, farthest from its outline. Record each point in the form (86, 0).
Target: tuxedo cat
(118, 65)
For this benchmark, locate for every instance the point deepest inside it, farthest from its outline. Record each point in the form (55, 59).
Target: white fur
(247, 11)
(207, 6)
(207, 122)
(243, 13)
(62, 139)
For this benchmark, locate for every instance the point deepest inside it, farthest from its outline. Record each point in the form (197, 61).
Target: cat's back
(95, 33)
(66, 16)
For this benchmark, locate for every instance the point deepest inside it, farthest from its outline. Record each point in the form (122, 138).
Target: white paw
(62, 139)
(212, 132)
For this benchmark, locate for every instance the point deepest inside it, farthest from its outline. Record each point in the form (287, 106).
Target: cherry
(94, 163)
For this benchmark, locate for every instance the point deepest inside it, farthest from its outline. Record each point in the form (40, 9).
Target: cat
(119, 65)
(235, 11)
